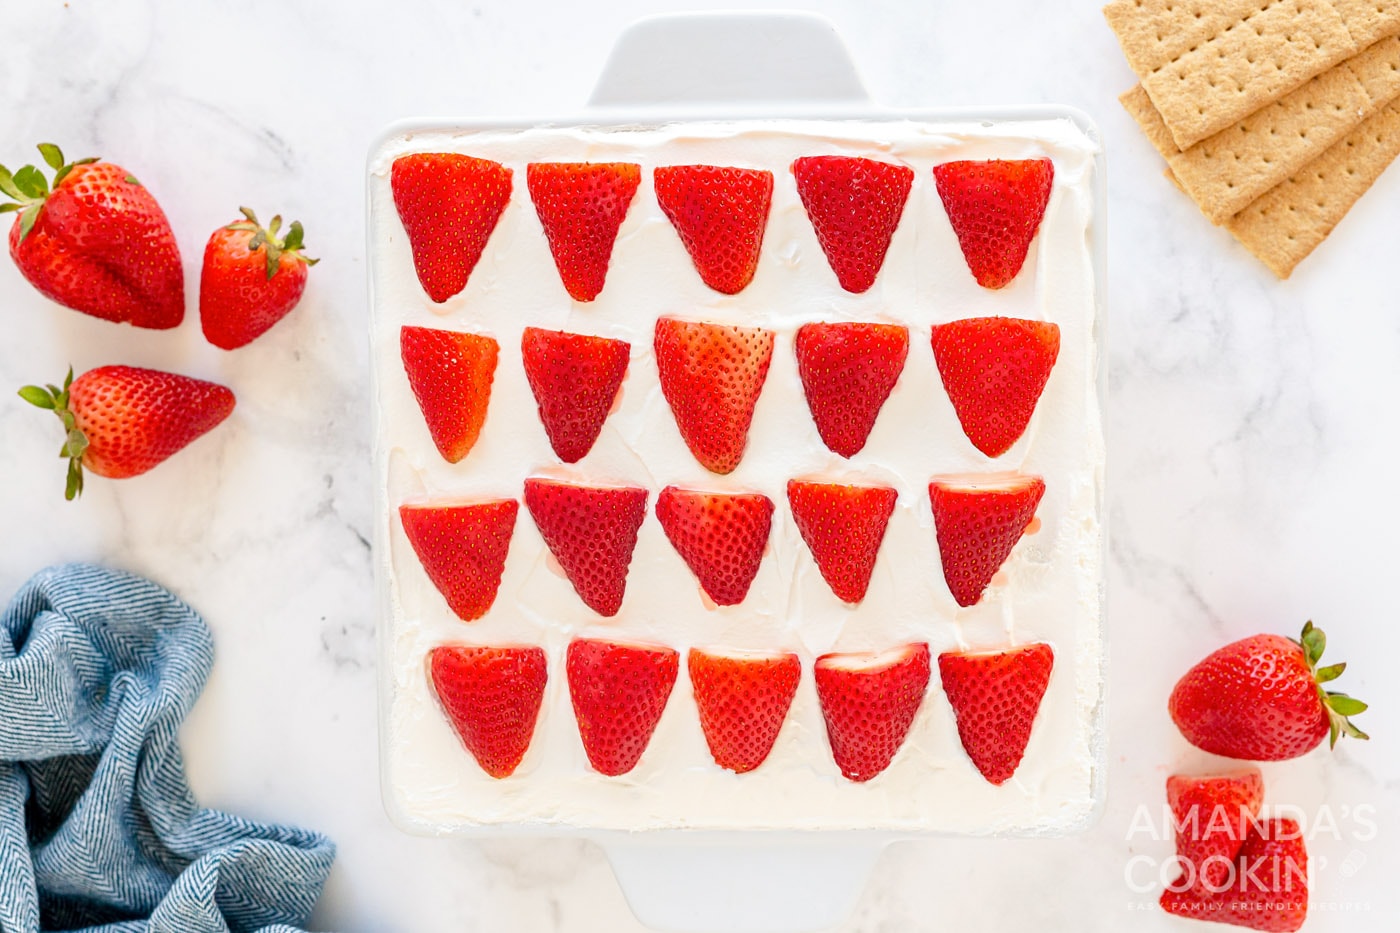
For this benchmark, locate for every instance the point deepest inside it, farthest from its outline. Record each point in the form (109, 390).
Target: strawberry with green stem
(251, 279)
(95, 241)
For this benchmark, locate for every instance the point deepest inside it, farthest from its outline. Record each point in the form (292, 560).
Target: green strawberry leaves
(266, 239)
(28, 188)
(75, 443)
(1339, 706)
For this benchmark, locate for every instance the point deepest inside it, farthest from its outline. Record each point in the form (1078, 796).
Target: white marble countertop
(1251, 433)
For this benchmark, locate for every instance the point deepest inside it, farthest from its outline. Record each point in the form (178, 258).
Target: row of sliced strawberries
(721, 536)
(450, 204)
(993, 369)
(492, 696)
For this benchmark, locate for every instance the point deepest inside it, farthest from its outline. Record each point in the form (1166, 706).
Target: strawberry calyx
(1339, 706)
(75, 443)
(266, 238)
(29, 189)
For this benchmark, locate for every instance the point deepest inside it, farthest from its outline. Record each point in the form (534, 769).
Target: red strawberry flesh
(1213, 814)
(619, 692)
(869, 702)
(451, 375)
(491, 696)
(743, 699)
(591, 531)
(995, 208)
(720, 213)
(995, 697)
(1270, 889)
(720, 536)
(843, 527)
(978, 520)
(854, 205)
(575, 379)
(462, 549)
(848, 371)
(581, 205)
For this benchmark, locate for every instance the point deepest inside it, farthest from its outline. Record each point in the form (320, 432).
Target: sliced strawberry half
(449, 205)
(720, 213)
(619, 692)
(743, 699)
(575, 379)
(869, 702)
(995, 208)
(581, 205)
(995, 696)
(711, 375)
(1270, 890)
(854, 205)
(978, 519)
(843, 527)
(1213, 815)
(591, 531)
(994, 369)
(720, 536)
(450, 374)
(491, 696)
(848, 371)
(463, 549)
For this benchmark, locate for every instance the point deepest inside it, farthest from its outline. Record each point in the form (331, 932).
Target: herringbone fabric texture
(98, 828)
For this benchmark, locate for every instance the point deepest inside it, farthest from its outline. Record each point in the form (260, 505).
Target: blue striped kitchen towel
(98, 828)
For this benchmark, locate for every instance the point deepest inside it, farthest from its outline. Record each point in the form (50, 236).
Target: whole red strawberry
(575, 379)
(619, 692)
(1261, 699)
(591, 531)
(995, 208)
(462, 549)
(711, 376)
(848, 371)
(251, 279)
(581, 205)
(995, 696)
(843, 527)
(720, 213)
(97, 242)
(451, 374)
(449, 205)
(743, 699)
(994, 369)
(854, 205)
(720, 536)
(491, 696)
(1270, 889)
(978, 520)
(869, 702)
(120, 421)
(1213, 814)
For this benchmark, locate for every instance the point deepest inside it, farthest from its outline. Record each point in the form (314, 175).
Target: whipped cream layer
(1049, 589)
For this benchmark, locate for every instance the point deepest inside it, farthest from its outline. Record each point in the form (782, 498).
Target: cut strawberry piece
(720, 213)
(995, 696)
(581, 205)
(843, 526)
(449, 205)
(450, 374)
(619, 692)
(720, 536)
(854, 205)
(491, 696)
(848, 371)
(591, 531)
(575, 379)
(462, 549)
(1270, 890)
(978, 519)
(995, 208)
(1213, 814)
(869, 702)
(994, 369)
(711, 375)
(743, 700)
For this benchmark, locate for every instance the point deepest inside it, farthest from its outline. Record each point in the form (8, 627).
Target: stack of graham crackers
(1274, 116)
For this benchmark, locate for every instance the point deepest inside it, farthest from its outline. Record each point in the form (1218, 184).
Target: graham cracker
(1207, 64)
(1288, 223)
(1224, 173)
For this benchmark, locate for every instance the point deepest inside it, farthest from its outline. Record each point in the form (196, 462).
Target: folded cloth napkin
(98, 828)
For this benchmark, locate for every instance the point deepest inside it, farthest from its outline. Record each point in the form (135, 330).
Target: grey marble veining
(1252, 437)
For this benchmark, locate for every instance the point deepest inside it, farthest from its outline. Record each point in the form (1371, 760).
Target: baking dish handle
(732, 61)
